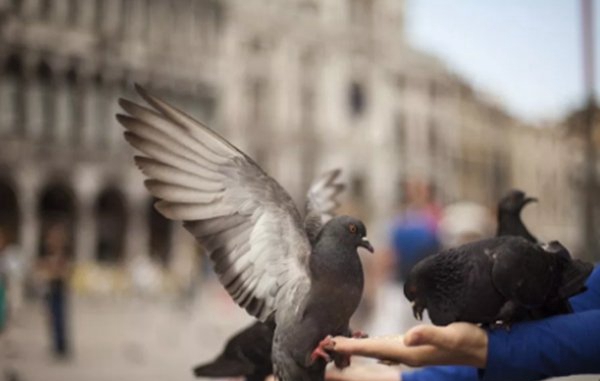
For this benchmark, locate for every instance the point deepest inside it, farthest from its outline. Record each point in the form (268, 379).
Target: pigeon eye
(352, 228)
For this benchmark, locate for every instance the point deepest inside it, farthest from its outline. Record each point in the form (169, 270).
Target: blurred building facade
(301, 85)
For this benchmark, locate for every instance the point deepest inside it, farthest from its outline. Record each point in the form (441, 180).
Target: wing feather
(248, 224)
(321, 202)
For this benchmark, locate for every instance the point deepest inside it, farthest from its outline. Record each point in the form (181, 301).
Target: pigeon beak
(527, 200)
(417, 311)
(366, 244)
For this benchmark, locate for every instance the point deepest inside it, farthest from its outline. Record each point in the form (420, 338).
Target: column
(136, 237)
(27, 196)
(86, 183)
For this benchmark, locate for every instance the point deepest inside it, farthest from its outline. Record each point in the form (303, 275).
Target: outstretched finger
(376, 347)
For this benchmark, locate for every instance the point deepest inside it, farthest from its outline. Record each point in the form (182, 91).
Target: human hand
(455, 344)
(363, 372)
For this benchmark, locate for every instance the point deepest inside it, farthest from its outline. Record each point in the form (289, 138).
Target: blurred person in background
(463, 222)
(3, 283)
(11, 280)
(413, 235)
(54, 267)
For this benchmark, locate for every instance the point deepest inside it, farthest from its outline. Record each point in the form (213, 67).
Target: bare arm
(458, 344)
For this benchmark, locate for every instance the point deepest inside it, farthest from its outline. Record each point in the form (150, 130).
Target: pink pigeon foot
(320, 350)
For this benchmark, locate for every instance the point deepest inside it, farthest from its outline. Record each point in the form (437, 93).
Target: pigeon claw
(418, 311)
(320, 351)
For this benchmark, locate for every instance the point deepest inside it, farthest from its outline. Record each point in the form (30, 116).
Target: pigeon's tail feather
(573, 278)
(224, 367)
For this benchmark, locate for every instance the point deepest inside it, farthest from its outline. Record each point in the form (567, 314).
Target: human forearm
(458, 343)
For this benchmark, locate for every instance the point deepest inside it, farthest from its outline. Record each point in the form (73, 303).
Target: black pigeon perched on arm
(509, 215)
(503, 279)
(248, 352)
(253, 234)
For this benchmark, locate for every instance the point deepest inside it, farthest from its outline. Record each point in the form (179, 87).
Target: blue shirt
(413, 237)
(557, 346)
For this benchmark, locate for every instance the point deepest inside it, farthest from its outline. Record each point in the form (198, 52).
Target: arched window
(13, 97)
(9, 213)
(56, 211)
(161, 236)
(356, 99)
(111, 223)
(41, 106)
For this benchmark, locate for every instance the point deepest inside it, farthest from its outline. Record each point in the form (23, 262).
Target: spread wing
(321, 202)
(246, 221)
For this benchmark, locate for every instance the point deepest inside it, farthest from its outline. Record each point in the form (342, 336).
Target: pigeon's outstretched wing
(321, 202)
(246, 221)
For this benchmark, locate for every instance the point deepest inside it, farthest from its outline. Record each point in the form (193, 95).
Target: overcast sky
(526, 53)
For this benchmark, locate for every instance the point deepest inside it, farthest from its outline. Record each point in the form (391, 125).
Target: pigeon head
(514, 201)
(348, 230)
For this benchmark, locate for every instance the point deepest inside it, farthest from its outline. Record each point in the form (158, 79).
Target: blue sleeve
(536, 350)
(442, 373)
(557, 346)
(590, 299)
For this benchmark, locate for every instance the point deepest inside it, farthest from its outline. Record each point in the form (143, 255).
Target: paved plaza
(127, 338)
(123, 338)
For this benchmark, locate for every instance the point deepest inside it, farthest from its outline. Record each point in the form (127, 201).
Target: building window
(46, 9)
(74, 123)
(9, 212)
(14, 93)
(16, 6)
(208, 15)
(8, 105)
(73, 12)
(111, 223)
(56, 211)
(103, 108)
(361, 13)
(99, 8)
(357, 186)
(356, 99)
(434, 91)
(432, 136)
(400, 132)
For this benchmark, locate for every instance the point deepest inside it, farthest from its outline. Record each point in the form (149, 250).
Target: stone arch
(111, 224)
(44, 71)
(10, 218)
(13, 65)
(160, 237)
(57, 217)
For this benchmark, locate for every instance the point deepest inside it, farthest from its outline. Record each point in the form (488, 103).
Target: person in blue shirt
(553, 347)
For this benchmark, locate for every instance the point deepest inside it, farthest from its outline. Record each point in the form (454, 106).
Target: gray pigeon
(248, 352)
(253, 233)
(509, 215)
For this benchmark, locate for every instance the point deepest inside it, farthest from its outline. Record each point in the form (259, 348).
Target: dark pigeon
(253, 234)
(509, 215)
(503, 279)
(246, 354)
